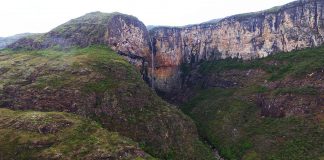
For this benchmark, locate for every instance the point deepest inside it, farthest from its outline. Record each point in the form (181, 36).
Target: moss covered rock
(57, 135)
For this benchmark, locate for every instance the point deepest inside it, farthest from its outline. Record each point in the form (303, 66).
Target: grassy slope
(57, 135)
(82, 31)
(97, 83)
(94, 22)
(229, 118)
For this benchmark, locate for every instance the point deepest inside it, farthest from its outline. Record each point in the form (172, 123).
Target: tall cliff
(294, 26)
(63, 72)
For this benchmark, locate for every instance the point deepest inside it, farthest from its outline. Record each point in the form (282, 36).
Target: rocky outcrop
(125, 34)
(290, 27)
(5, 41)
(96, 83)
(293, 26)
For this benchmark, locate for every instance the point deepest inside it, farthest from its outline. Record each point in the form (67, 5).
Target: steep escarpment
(97, 83)
(294, 26)
(74, 68)
(124, 34)
(245, 109)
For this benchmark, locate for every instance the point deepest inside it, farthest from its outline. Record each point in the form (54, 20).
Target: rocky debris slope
(96, 82)
(294, 26)
(56, 135)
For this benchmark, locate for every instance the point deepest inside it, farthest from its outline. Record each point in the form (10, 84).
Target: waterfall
(152, 65)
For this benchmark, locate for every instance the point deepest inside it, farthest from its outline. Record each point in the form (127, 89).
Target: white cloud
(18, 16)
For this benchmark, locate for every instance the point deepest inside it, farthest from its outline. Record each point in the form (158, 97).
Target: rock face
(125, 34)
(97, 83)
(293, 26)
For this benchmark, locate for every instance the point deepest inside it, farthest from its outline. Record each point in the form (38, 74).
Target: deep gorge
(251, 85)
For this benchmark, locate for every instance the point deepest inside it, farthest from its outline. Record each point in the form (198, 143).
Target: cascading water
(152, 64)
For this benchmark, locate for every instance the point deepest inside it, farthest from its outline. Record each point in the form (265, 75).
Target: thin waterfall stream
(152, 64)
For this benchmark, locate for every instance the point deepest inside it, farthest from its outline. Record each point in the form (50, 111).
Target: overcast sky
(37, 16)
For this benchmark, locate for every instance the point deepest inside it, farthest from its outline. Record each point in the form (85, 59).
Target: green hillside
(57, 135)
(97, 83)
(270, 108)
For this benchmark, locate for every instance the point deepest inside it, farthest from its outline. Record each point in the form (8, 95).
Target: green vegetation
(234, 127)
(301, 90)
(92, 25)
(52, 135)
(94, 19)
(227, 64)
(230, 120)
(279, 66)
(98, 83)
(244, 16)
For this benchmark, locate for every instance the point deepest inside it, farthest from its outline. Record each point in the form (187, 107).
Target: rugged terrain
(270, 108)
(124, 34)
(97, 83)
(55, 135)
(248, 97)
(294, 26)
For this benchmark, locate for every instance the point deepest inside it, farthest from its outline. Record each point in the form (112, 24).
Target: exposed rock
(125, 34)
(97, 83)
(294, 26)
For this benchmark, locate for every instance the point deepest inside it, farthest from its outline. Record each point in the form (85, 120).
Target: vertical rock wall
(294, 26)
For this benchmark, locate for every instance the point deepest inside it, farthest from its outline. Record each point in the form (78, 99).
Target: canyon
(246, 85)
(294, 26)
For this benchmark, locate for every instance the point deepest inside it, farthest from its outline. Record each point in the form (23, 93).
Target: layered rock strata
(294, 26)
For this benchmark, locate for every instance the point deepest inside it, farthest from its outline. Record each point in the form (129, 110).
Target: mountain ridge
(5, 41)
(293, 26)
